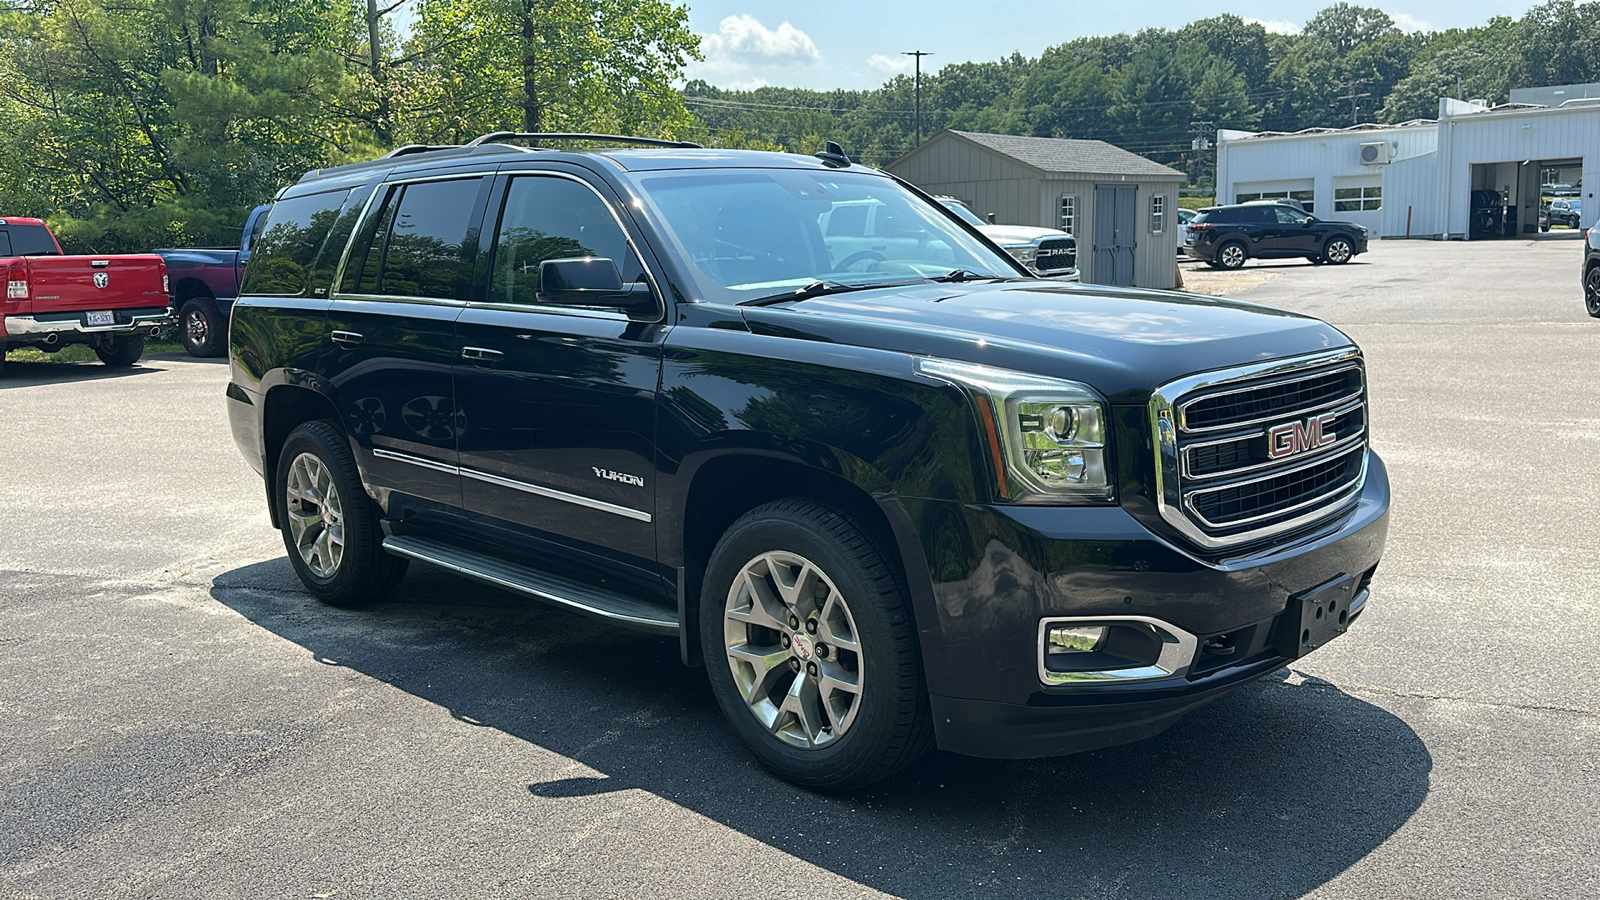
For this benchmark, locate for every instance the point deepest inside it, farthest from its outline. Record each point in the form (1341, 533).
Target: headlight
(1027, 254)
(1048, 435)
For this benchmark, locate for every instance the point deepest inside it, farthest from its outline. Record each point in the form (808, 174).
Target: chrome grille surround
(1330, 476)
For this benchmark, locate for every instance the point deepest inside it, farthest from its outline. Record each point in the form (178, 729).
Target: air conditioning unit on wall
(1376, 153)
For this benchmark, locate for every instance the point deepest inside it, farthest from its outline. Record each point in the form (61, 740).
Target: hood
(1019, 234)
(1122, 342)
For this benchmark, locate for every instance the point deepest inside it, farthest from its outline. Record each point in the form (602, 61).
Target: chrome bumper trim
(21, 326)
(1178, 648)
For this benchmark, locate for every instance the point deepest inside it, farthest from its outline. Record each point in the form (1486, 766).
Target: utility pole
(1201, 143)
(919, 54)
(1353, 97)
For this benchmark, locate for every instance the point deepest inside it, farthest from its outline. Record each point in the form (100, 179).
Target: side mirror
(593, 281)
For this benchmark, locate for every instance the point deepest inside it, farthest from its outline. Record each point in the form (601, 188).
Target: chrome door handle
(480, 354)
(347, 338)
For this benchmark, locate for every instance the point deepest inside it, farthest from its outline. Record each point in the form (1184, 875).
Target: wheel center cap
(803, 646)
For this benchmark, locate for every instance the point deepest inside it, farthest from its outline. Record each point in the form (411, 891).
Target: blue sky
(825, 45)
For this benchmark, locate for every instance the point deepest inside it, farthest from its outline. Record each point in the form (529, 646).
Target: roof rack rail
(496, 137)
(409, 149)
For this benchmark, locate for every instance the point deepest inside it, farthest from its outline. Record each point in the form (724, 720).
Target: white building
(1422, 178)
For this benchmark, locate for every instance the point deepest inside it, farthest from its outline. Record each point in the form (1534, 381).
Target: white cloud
(1276, 26)
(744, 37)
(1409, 23)
(744, 54)
(890, 65)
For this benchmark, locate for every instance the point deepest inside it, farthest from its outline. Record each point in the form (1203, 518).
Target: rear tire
(811, 650)
(1232, 255)
(330, 525)
(120, 351)
(202, 328)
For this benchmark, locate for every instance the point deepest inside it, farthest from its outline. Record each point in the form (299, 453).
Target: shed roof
(1069, 155)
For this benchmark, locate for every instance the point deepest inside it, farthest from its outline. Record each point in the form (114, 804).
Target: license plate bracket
(1315, 617)
(99, 319)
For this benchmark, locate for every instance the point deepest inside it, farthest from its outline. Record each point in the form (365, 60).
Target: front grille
(1056, 254)
(1263, 450)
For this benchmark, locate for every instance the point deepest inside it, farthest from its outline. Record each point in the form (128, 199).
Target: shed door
(1116, 220)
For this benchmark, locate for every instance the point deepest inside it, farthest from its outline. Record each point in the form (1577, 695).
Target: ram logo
(623, 477)
(1291, 438)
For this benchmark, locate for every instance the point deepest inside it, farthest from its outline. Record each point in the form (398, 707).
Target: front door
(1115, 233)
(560, 402)
(392, 328)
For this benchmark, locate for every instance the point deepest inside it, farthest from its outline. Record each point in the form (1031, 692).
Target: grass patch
(76, 353)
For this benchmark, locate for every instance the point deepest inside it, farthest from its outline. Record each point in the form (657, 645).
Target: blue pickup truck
(205, 282)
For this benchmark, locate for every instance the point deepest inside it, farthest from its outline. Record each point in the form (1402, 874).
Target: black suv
(1591, 270)
(891, 492)
(1226, 236)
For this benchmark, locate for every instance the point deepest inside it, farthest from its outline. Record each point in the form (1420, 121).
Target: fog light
(1074, 638)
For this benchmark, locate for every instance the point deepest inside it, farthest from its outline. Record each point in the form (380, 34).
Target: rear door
(1295, 231)
(559, 402)
(392, 341)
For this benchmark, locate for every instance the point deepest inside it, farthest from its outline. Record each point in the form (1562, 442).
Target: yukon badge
(101, 279)
(1300, 437)
(623, 477)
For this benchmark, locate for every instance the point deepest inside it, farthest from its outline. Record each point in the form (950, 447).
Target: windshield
(963, 213)
(753, 233)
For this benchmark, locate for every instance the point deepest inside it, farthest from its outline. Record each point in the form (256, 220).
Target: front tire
(1231, 255)
(1338, 251)
(120, 351)
(1591, 291)
(202, 328)
(330, 525)
(810, 647)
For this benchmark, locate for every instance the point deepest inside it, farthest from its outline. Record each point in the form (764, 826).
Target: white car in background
(1049, 252)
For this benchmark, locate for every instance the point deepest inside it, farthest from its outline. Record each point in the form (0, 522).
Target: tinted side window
(1287, 216)
(338, 237)
(1225, 217)
(425, 242)
(553, 218)
(295, 230)
(1257, 215)
(31, 240)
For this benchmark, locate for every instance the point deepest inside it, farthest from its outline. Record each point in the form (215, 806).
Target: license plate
(1316, 617)
(98, 319)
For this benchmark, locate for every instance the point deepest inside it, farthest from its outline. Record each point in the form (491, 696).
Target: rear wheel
(1339, 251)
(330, 525)
(810, 648)
(1231, 255)
(121, 350)
(201, 327)
(1591, 291)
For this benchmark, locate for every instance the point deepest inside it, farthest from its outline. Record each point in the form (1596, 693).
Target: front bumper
(73, 327)
(994, 572)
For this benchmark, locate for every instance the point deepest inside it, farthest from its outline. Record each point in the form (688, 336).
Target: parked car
(1561, 211)
(204, 283)
(889, 498)
(1185, 216)
(1047, 251)
(1591, 270)
(110, 302)
(1226, 236)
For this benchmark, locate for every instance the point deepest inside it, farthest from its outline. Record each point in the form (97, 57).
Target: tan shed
(1122, 208)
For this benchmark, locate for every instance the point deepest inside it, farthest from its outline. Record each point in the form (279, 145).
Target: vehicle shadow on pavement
(33, 374)
(1270, 791)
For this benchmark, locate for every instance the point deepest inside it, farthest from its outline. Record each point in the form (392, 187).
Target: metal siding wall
(1414, 183)
(1513, 137)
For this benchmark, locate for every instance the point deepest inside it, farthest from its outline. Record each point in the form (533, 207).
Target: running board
(529, 581)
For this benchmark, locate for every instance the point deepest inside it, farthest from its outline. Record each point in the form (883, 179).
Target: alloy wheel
(1232, 256)
(1338, 252)
(1591, 291)
(315, 515)
(792, 646)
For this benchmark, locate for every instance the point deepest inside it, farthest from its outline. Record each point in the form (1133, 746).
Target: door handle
(480, 354)
(347, 338)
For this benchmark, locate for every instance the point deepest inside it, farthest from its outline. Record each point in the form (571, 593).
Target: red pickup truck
(111, 303)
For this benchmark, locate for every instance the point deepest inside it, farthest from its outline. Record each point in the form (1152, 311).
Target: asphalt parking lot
(179, 719)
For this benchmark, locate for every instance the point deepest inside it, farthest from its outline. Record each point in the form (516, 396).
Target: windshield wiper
(814, 289)
(960, 275)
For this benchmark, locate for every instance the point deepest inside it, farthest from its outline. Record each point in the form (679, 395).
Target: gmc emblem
(1299, 437)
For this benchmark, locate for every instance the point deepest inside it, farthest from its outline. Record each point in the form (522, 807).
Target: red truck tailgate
(82, 283)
